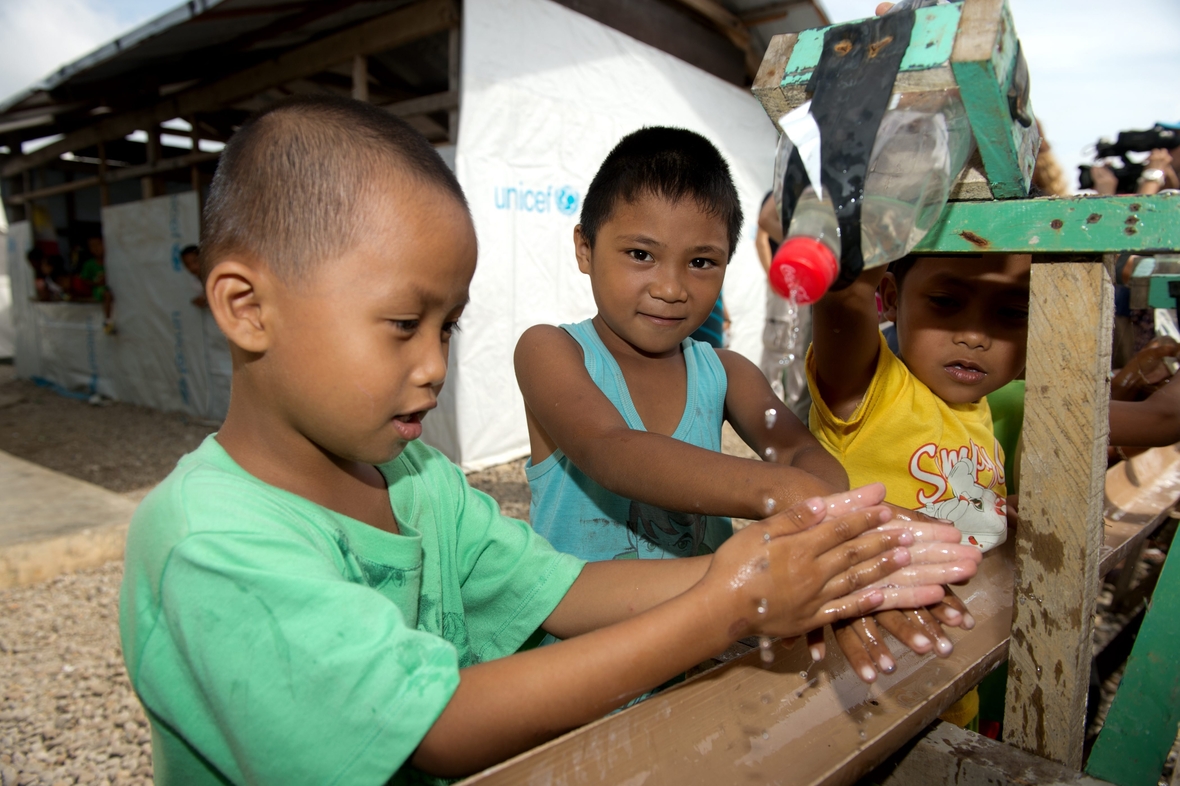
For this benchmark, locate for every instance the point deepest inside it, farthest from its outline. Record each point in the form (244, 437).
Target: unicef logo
(564, 199)
(567, 200)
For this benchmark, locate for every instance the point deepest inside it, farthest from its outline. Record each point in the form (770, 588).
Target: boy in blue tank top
(625, 409)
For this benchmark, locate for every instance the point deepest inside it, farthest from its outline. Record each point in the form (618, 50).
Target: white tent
(547, 93)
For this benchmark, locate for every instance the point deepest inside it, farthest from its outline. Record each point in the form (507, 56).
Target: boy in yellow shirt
(919, 421)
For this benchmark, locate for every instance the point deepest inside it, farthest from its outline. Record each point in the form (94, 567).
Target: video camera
(1128, 142)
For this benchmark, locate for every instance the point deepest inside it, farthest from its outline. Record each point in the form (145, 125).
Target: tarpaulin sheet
(547, 93)
(167, 353)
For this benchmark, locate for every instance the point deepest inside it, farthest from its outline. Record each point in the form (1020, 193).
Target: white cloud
(39, 36)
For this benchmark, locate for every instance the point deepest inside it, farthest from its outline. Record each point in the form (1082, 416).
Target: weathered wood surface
(743, 723)
(1057, 225)
(709, 730)
(945, 754)
(1058, 541)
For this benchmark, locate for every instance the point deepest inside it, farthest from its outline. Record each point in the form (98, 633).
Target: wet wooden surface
(745, 723)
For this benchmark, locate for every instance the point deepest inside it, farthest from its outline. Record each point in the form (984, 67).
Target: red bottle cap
(803, 268)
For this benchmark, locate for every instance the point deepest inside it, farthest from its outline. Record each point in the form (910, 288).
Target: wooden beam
(1057, 225)
(454, 65)
(147, 183)
(1060, 535)
(360, 78)
(114, 176)
(104, 190)
(945, 755)
(438, 102)
(729, 25)
(769, 12)
(400, 27)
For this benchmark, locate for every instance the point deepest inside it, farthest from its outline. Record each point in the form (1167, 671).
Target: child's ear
(236, 297)
(582, 250)
(889, 296)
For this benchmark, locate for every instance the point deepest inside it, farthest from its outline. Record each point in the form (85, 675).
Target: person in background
(93, 275)
(190, 257)
(784, 341)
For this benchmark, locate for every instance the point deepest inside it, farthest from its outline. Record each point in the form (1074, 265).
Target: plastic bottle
(918, 153)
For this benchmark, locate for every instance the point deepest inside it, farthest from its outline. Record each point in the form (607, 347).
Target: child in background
(919, 421)
(190, 257)
(625, 410)
(314, 596)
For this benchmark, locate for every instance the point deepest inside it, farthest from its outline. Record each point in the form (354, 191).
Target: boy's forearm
(613, 591)
(845, 343)
(674, 475)
(506, 706)
(821, 464)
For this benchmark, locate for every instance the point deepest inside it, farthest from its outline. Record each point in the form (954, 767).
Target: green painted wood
(1157, 292)
(930, 45)
(1008, 149)
(1141, 725)
(1049, 225)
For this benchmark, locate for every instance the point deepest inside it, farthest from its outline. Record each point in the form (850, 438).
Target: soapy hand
(825, 560)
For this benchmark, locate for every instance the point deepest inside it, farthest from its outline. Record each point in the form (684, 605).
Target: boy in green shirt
(315, 596)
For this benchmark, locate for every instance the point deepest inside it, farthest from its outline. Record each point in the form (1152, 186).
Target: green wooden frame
(1050, 225)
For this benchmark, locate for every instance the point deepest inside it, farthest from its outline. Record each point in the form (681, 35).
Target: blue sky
(1097, 66)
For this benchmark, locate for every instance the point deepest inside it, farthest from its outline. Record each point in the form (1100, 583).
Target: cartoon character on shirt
(979, 511)
(655, 533)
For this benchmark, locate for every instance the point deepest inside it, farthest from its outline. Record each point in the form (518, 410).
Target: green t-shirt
(275, 641)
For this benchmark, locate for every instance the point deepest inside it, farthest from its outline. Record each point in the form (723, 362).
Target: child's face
(358, 352)
(962, 324)
(656, 270)
(192, 263)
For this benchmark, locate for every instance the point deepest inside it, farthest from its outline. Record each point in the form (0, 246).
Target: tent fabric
(547, 93)
(167, 354)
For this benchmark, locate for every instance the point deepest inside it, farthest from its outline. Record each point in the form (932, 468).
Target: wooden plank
(454, 72)
(1060, 535)
(945, 754)
(767, 87)
(1141, 725)
(984, 60)
(1140, 494)
(115, 175)
(375, 35)
(360, 78)
(436, 102)
(1057, 225)
(790, 723)
(729, 25)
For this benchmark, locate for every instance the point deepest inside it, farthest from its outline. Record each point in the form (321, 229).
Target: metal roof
(205, 40)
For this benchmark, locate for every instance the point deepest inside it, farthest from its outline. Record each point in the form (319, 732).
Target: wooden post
(104, 190)
(360, 78)
(148, 184)
(1059, 539)
(195, 169)
(454, 62)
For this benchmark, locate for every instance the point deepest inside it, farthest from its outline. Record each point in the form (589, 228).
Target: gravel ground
(68, 714)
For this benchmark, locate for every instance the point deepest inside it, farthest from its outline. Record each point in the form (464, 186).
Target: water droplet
(764, 565)
(770, 506)
(771, 417)
(762, 606)
(766, 698)
(764, 645)
(771, 454)
(803, 675)
(862, 734)
(765, 735)
(765, 537)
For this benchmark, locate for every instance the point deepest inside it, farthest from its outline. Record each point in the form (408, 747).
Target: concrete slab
(51, 523)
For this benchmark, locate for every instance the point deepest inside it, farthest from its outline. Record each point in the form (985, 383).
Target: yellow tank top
(938, 458)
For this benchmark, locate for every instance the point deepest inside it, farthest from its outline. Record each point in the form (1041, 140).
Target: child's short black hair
(672, 163)
(292, 184)
(184, 252)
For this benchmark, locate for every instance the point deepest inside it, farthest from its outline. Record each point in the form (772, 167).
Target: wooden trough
(795, 722)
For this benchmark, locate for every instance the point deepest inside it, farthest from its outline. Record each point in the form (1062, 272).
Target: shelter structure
(523, 97)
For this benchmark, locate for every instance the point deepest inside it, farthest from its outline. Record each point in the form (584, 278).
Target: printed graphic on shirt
(961, 486)
(655, 533)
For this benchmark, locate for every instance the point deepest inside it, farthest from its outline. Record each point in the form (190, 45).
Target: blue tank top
(580, 517)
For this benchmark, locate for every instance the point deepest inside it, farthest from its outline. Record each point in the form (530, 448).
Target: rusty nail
(1093, 218)
(1057, 223)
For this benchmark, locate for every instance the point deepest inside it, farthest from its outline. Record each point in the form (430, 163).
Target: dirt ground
(67, 712)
